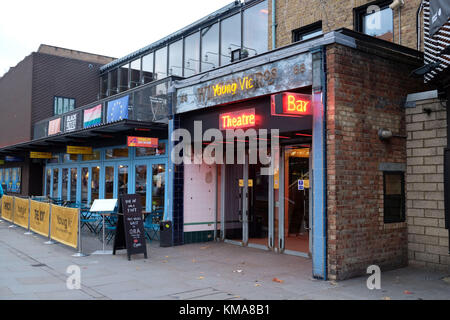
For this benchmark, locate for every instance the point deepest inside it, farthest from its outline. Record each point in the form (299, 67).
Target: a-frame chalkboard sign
(130, 233)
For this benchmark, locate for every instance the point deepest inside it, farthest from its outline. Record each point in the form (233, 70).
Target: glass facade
(123, 86)
(255, 27)
(176, 58)
(210, 47)
(192, 54)
(133, 170)
(199, 51)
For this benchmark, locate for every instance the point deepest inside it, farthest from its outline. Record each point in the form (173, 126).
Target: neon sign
(238, 119)
(291, 104)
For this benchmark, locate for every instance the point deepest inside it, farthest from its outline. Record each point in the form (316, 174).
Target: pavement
(32, 270)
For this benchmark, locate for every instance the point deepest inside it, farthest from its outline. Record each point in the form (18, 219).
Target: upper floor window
(307, 32)
(62, 105)
(376, 20)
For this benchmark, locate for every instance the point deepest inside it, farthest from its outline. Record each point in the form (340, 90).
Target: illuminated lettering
(236, 120)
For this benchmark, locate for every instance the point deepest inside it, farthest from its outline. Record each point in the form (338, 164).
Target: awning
(85, 136)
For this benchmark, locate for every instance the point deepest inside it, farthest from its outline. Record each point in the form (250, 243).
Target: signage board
(142, 142)
(268, 78)
(72, 122)
(40, 155)
(13, 159)
(130, 233)
(237, 119)
(439, 14)
(54, 126)
(79, 150)
(288, 104)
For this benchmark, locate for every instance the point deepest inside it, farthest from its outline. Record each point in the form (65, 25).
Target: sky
(106, 27)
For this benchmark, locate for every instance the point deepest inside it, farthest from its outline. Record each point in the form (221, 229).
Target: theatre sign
(269, 78)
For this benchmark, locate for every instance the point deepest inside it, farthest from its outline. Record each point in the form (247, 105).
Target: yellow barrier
(64, 225)
(21, 211)
(7, 208)
(39, 217)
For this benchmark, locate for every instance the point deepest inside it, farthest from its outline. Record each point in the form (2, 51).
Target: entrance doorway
(269, 212)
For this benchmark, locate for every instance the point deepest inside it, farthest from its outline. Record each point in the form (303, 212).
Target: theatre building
(320, 170)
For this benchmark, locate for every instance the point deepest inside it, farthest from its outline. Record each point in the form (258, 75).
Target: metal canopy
(110, 130)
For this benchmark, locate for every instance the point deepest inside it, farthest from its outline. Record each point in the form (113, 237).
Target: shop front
(254, 186)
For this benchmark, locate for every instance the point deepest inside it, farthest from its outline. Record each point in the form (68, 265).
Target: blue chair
(152, 224)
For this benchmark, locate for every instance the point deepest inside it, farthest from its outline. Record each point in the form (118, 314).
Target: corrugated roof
(154, 45)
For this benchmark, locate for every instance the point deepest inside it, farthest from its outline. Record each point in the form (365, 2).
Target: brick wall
(427, 138)
(335, 14)
(365, 93)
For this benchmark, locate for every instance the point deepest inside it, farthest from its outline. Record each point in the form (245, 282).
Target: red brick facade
(365, 93)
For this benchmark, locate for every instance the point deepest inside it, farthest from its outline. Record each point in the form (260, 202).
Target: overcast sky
(107, 27)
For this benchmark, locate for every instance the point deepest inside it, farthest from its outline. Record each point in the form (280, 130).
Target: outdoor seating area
(92, 222)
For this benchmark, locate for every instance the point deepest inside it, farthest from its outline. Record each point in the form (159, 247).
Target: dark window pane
(84, 185)
(60, 105)
(147, 68)
(135, 73)
(66, 105)
(231, 37)
(109, 182)
(176, 58)
(123, 180)
(73, 184)
(141, 184)
(71, 104)
(114, 82)
(192, 54)
(158, 187)
(161, 63)
(210, 47)
(104, 84)
(256, 29)
(379, 24)
(123, 78)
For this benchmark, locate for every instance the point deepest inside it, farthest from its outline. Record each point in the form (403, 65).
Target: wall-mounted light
(397, 4)
(385, 134)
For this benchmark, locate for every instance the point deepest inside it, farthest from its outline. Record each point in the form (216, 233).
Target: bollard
(29, 213)
(50, 241)
(79, 253)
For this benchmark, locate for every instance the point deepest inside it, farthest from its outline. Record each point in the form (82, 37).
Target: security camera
(397, 4)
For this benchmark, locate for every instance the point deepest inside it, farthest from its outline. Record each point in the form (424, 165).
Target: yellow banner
(7, 208)
(64, 225)
(21, 212)
(40, 155)
(39, 217)
(79, 150)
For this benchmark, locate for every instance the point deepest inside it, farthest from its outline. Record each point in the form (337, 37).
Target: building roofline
(237, 4)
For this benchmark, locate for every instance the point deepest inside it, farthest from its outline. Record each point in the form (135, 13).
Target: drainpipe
(274, 24)
(419, 25)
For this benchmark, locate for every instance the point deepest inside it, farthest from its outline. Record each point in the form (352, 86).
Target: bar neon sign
(290, 104)
(238, 119)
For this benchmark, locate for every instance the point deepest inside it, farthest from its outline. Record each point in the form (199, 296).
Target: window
(135, 73)
(230, 37)
(210, 47)
(62, 105)
(375, 20)
(394, 197)
(161, 63)
(146, 152)
(116, 153)
(147, 68)
(176, 58)
(113, 82)
(123, 78)
(256, 29)
(104, 86)
(192, 54)
(307, 32)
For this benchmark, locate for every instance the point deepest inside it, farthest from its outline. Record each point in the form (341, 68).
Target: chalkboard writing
(130, 232)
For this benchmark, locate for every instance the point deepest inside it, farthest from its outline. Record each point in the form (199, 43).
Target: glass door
(65, 184)
(109, 182)
(158, 188)
(140, 184)
(73, 184)
(123, 183)
(233, 203)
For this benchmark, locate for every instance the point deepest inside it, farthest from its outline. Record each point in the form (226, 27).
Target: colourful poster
(54, 126)
(92, 116)
(143, 142)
